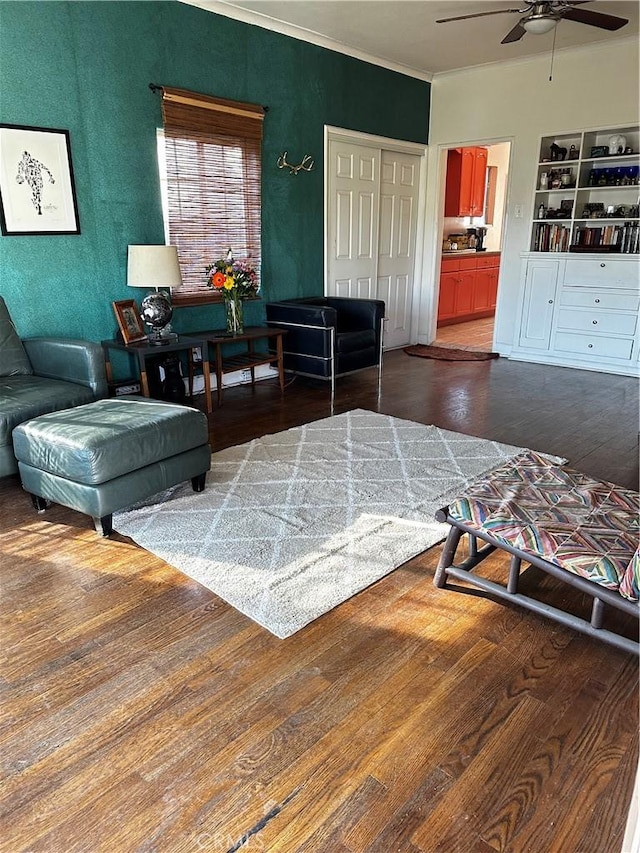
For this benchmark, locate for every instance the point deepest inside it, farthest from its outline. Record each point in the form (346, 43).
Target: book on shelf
(623, 238)
(551, 237)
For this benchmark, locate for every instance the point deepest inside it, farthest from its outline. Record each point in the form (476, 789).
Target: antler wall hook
(306, 165)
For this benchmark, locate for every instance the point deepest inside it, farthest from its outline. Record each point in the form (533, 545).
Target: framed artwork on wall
(37, 189)
(129, 321)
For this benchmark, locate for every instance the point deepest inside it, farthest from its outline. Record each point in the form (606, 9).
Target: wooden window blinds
(213, 170)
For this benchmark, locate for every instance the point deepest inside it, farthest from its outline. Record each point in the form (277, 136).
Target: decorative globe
(156, 310)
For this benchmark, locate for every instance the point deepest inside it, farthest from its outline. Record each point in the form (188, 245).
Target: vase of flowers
(235, 281)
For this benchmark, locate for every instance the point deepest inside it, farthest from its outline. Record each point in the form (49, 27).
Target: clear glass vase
(233, 308)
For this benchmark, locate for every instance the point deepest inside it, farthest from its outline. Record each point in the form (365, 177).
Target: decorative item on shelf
(599, 150)
(306, 165)
(544, 180)
(155, 266)
(617, 143)
(235, 281)
(574, 154)
(542, 211)
(566, 178)
(557, 152)
(555, 179)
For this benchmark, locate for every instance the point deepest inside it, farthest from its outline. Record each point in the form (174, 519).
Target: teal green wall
(86, 67)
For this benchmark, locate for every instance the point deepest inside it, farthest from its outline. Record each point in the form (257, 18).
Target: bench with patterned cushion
(577, 528)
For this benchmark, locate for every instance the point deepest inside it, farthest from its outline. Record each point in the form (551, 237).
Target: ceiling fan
(542, 17)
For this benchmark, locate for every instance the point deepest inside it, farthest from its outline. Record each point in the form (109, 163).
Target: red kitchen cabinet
(468, 287)
(486, 289)
(447, 300)
(466, 182)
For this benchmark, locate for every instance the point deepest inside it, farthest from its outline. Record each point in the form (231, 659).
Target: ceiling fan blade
(594, 19)
(478, 15)
(515, 34)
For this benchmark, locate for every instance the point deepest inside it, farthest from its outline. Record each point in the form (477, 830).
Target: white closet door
(399, 193)
(373, 197)
(354, 189)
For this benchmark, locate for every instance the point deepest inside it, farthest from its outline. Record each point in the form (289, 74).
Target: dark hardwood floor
(141, 713)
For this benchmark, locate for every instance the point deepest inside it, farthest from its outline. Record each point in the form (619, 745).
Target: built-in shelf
(598, 202)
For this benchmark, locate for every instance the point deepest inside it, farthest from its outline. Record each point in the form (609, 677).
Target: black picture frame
(37, 185)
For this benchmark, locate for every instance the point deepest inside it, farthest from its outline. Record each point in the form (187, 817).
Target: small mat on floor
(449, 354)
(292, 524)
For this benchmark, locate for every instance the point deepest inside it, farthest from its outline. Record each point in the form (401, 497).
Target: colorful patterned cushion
(587, 526)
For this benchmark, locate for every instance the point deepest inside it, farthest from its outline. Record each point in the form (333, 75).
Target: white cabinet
(541, 281)
(580, 312)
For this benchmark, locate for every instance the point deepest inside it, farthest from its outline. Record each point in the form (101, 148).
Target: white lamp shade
(153, 266)
(540, 24)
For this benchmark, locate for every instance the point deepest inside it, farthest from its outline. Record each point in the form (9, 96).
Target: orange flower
(218, 280)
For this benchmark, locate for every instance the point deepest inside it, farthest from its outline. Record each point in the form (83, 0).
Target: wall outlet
(246, 376)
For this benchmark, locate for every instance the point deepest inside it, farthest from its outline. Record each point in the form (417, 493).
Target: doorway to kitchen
(471, 241)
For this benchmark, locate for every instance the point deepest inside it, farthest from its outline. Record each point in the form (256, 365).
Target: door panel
(353, 235)
(399, 189)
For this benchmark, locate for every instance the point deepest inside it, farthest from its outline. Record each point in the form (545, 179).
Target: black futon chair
(329, 336)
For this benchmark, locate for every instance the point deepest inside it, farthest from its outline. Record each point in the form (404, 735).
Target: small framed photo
(129, 321)
(37, 188)
(566, 205)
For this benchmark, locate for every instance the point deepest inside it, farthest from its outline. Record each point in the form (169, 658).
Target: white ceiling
(402, 34)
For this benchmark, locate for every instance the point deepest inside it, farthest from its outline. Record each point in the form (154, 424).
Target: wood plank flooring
(141, 713)
(474, 334)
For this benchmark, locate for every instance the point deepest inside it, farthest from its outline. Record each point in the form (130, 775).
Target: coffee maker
(480, 235)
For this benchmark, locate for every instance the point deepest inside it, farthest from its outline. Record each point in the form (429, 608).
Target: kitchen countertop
(472, 252)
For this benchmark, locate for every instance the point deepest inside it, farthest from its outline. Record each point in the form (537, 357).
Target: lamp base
(159, 339)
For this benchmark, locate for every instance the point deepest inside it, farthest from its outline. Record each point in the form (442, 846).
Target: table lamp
(155, 267)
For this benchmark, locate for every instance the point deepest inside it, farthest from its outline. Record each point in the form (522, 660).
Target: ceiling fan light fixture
(540, 24)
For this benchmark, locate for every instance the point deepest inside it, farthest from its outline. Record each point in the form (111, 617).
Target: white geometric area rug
(292, 524)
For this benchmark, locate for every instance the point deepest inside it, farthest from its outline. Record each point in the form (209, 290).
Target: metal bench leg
(597, 613)
(446, 558)
(514, 574)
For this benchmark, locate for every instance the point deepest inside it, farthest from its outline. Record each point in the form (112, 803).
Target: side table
(143, 350)
(248, 360)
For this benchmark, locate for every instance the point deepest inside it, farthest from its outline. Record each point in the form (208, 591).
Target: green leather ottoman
(107, 455)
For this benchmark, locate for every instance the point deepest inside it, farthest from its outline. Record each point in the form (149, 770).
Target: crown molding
(228, 10)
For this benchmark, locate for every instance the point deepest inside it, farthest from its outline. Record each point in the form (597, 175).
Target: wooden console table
(248, 360)
(143, 350)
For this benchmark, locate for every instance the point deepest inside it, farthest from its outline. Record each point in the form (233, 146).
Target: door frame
(369, 140)
(440, 169)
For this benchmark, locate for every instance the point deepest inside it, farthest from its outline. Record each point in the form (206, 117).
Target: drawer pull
(595, 322)
(589, 346)
(551, 302)
(596, 300)
(603, 265)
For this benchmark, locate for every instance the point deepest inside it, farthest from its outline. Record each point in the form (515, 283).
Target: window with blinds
(212, 194)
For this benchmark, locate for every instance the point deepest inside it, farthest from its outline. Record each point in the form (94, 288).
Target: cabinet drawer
(469, 263)
(608, 272)
(597, 322)
(450, 265)
(600, 299)
(597, 345)
(491, 261)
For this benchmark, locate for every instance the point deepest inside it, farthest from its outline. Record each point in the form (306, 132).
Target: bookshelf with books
(587, 192)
